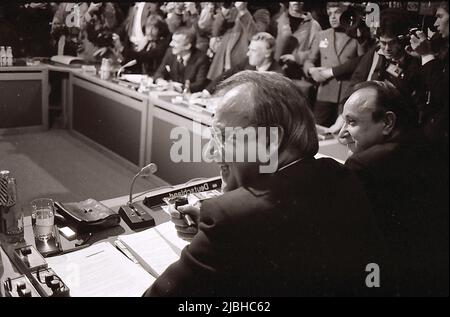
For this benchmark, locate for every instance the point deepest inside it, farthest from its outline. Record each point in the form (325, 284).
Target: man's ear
(390, 119)
(276, 136)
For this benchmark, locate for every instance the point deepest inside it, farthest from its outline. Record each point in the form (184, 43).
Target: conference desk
(9, 270)
(131, 127)
(24, 99)
(135, 128)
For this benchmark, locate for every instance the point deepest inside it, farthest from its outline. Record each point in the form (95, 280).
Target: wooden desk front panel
(176, 172)
(111, 119)
(23, 99)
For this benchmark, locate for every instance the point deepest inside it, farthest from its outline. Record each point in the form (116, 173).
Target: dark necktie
(180, 68)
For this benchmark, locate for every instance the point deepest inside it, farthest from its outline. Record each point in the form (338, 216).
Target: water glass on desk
(43, 218)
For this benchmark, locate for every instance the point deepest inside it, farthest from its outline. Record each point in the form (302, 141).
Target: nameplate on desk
(156, 200)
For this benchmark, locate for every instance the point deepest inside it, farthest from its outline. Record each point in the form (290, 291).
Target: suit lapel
(346, 41)
(332, 42)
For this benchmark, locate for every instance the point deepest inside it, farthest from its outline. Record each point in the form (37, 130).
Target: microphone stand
(134, 215)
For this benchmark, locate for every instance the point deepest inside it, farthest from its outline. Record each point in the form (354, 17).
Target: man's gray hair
(277, 102)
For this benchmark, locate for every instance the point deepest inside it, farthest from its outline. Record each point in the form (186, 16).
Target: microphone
(129, 64)
(134, 215)
(145, 171)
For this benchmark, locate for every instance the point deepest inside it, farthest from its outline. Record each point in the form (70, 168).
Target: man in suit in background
(406, 184)
(183, 61)
(273, 233)
(333, 47)
(260, 57)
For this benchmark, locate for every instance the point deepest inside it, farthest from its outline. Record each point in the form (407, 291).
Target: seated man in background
(260, 57)
(330, 48)
(272, 233)
(183, 61)
(406, 184)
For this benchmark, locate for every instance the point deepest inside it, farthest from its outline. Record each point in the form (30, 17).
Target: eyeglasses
(220, 137)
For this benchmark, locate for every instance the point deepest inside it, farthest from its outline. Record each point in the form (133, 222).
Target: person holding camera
(434, 66)
(102, 20)
(389, 61)
(331, 47)
(150, 53)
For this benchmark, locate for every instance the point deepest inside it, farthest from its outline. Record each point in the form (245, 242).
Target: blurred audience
(235, 26)
(154, 46)
(260, 57)
(295, 34)
(330, 48)
(434, 61)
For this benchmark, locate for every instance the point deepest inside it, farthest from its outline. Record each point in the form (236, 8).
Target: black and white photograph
(224, 154)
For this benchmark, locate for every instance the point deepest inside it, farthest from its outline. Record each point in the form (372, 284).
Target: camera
(104, 39)
(407, 37)
(354, 19)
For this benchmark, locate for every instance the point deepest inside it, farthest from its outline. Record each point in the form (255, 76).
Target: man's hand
(315, 73)
(162, 82)
(420, 44)
(118, 47)
(93, 7)
(287, 57)
(190, 7)
(142, 44)
(201, 94)
(184, 231)
(326, 73)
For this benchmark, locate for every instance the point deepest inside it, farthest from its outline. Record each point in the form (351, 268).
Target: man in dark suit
(302, 229)
(183, 61)
(260, 57)
(407, 186)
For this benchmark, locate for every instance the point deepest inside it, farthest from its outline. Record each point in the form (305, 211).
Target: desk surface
(7, 268)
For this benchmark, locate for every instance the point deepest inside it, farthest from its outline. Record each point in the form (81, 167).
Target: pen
(188, 219)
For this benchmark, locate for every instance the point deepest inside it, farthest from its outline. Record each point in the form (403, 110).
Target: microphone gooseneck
(145, 171)
(130, 63)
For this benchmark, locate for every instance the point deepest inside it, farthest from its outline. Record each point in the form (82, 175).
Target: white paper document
(156, 248)
(101, 271)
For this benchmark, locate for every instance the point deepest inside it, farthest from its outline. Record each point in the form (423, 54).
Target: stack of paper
(101, 271)
(155, 248)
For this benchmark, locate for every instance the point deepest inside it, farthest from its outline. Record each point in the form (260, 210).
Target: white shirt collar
(185, 58)
(264, 67)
